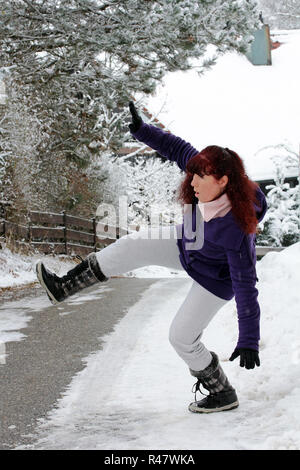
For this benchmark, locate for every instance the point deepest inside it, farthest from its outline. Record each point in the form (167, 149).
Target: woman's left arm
(243, 276)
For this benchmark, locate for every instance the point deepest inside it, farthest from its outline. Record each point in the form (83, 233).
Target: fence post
(65, 231)
(29, 232)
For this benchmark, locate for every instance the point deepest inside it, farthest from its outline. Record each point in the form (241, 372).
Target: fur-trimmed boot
(85, 274)
(222, 395)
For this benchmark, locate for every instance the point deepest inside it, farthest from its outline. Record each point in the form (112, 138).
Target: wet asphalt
(39, 368)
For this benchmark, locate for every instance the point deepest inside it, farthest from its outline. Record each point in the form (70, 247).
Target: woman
(218, 254)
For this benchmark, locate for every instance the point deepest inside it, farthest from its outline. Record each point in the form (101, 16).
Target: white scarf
(217, 208)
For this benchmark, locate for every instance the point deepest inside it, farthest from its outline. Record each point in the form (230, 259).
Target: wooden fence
(60, 233)
(69, 235)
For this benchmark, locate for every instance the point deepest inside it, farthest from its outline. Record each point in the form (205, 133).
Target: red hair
(241, 191)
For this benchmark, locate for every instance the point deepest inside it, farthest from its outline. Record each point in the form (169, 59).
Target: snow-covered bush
(281, 225)
(149, 185)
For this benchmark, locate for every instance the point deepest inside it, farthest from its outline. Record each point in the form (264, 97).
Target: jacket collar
(216, 208)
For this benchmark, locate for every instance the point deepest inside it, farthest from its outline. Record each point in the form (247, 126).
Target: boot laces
(196, 388)
(210, 397)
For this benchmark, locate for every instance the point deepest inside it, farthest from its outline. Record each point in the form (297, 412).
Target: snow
(16, 316)
(237, 105)
(134, 393)
(17, 269)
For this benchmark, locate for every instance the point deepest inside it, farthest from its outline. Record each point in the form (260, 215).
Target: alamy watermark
(191, 231)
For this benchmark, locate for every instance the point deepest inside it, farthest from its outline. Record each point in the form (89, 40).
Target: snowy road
(44, 347)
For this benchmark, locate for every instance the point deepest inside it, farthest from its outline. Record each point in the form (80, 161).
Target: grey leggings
(197, 310)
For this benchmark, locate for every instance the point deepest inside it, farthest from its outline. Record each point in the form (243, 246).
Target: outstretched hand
(136, 119)
(248, 357)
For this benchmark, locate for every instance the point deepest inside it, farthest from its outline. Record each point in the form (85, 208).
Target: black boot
(222, 395)
(83, 275)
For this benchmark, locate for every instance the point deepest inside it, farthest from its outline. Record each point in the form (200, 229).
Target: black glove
(136, 119)
(248, 357)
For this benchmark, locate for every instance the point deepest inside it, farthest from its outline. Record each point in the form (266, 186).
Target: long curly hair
(241, 191)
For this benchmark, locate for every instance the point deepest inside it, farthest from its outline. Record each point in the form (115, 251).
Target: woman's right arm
(166, 144)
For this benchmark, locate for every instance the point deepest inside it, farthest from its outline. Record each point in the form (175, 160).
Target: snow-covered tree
(74, 58)
(282, 15)
(30, 177)
(281, 225)
(4, 162)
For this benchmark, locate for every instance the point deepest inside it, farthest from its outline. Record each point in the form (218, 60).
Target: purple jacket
(225, 263)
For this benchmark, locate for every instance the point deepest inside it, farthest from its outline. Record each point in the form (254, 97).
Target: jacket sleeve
(243, 277)
(166, 144)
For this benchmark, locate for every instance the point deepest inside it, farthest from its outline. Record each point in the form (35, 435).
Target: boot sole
(195, 409)
(38, 269)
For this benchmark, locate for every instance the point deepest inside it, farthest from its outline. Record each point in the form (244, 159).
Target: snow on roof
(238, 105)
